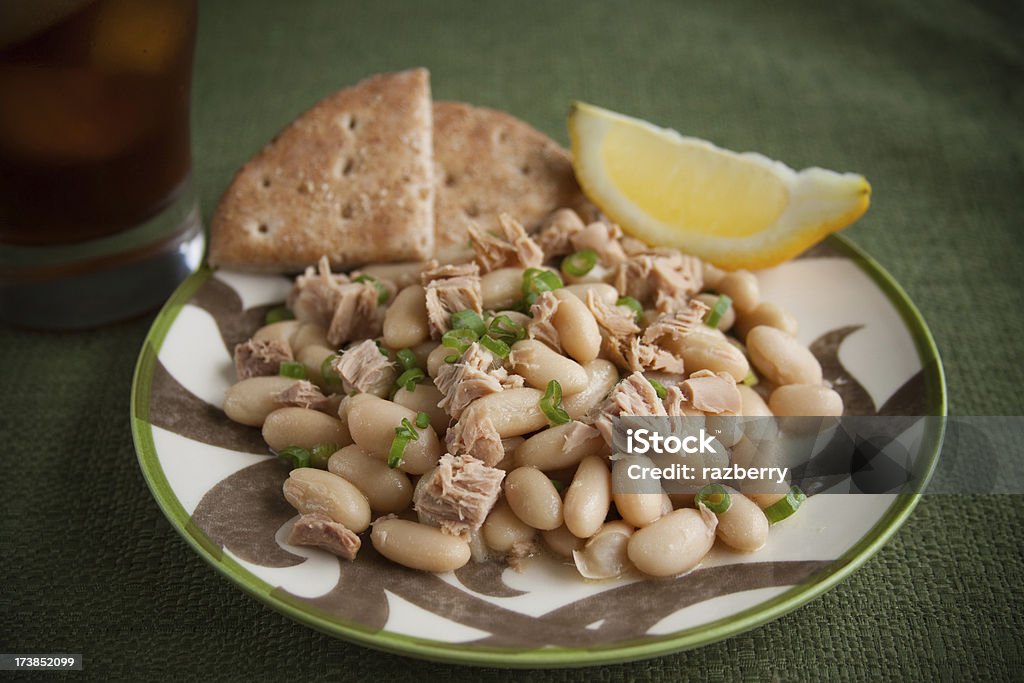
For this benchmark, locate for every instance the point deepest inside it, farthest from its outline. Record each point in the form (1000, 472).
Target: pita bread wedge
(487, 162)
(350, 178)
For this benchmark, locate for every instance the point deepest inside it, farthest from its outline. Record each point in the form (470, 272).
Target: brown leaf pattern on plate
(244, 511)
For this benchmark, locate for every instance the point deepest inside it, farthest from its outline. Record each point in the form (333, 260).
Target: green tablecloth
(925, 99)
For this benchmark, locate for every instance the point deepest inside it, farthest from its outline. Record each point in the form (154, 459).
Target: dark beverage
(94, 137)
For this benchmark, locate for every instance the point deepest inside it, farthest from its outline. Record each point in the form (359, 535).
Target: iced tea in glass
(98, 220)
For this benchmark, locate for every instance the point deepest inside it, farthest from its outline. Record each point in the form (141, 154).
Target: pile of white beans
(554, 497)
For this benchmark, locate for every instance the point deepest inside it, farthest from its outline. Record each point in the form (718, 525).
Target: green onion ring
(551, 404)
(277, 314)
(422, 420)
(320, 454)
(720, 308)
(495, 346)
(781, 509)
(580, 263)
(507, 330)
(459, 339)
(659, 388)
(396, 454)
(296, 456)
(469, 320)
(407, 359)
(715, 498)
(536, 280)
(327, 371)
(751, 379)
(290, 368)
(382, 292)
(632, 304)
(409, 379)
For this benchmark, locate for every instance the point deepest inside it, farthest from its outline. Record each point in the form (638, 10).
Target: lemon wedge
(734, 210)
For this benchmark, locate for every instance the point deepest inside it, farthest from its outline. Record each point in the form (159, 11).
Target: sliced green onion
(507, 330)
(459, 339)
(632, 304)
(559, 486)
(659, 388)
(422, 420)
(409, 379)
(720, 308)
(450, 359)
(380, 347)
(495, 346)
(551, 404)
(536, 280)
(715, 498)
(296, 456)
(290, 368)
(751, 379)
(327, 370)
(580, 263)
(407, 359)
(277, 314)
(404, 433)
(396, 454)
(321, 453)
(781, 509)
(382, 292)
(469, 320)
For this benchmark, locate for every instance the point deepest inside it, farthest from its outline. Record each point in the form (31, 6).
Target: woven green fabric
(925, 99)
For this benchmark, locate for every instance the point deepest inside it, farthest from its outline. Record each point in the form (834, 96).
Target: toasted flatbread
(351, 178)
(487, 162)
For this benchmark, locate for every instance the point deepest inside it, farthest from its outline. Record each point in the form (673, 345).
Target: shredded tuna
(676, 404)
(676, 325)
(474, 434)
(632, 246)
(459, 493)
(256, 358)
(554, 235)
(674, 275)
(365, 369)
(319, 530)
(634, 395)
(467, 379)
(541, 327)
(602, 238)
(712, 393)
(614, 320)
(357, 314)
(512, 248)
(450, 289)
(519, 551)
(633, 355)
(578, 434)
(302, 394)
(314, 296)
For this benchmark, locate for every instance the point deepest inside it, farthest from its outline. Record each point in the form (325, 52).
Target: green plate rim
(549, 657)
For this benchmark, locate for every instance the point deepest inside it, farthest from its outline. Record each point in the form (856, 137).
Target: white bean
(743, 526)
(805, 400)
(674, 544)
(436, 358)
(603, 291)
(419, 546)
(309, 334)
(513, 412)
(605, 554)
(741, 286)
(561, 541)
(405, 321)
(313, 357)
(576, 326)
(781, 358)
(502, 529)
(602, 375)
(546, 450)
(636, 501)
(282, 331)
(424, 399)
(372, 422)
(752, 403)
(539, 364)
(588, 497)
(767, 314)
(387, 490)
(303, 427)
(501, 288)
(311, 490)
(533, 498)
(728, 318)
(251, 400)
